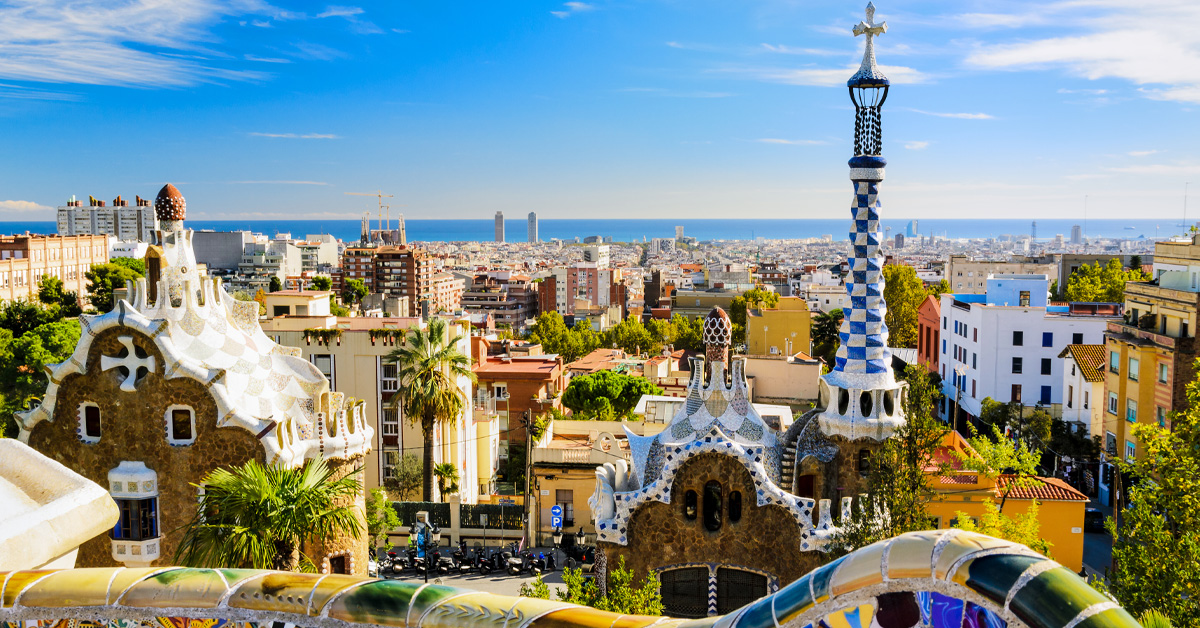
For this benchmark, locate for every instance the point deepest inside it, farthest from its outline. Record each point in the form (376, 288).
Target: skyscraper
(499, 226)
(1033, 231)
(1076, 234)
(912, 229)
(679, 232)
(532, 228)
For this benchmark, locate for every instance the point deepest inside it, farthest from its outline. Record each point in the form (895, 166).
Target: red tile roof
(1052, 489)
(1090, 359)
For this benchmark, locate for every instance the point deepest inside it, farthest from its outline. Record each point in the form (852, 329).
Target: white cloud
(774, 140)
(960, 116)
(1159, 169)
(129, 43)
(21, 206)
(1111, 39)
(1141, 153)
(573, 8)
(823, 77)
(1090, 92)
(339, 11)
(789, 50)
(297, 136)
(266, 59)
(916, 145)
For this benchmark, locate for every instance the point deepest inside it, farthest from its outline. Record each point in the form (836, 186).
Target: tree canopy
(1094, 283)
(354, 290)
(1157, 546)
(104, 278)
(903, 292)
(629, 335)
(824, 330)
(606, 395)
(750, 299)
(321, 282)
(23, 359)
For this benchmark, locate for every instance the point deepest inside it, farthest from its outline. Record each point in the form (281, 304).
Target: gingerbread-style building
(176, 381)
(725, 507)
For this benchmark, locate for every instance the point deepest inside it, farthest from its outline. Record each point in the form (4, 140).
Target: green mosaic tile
(382, 602)
(1054, 598)
(993, 576)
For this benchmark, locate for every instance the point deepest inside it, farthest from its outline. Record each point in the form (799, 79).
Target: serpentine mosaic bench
(937, 579)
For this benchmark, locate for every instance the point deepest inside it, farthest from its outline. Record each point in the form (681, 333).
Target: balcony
(577, 455)
(1132, 333)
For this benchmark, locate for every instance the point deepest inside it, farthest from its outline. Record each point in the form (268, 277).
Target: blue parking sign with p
(555, 521)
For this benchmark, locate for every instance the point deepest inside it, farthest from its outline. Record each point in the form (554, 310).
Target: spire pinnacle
(868, 74)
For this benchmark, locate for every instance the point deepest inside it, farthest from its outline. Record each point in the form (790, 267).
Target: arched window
(689, 505)
(864, 462)
(712, 506)
(735, 506)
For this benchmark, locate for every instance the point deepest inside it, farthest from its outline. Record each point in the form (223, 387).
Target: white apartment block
(1005, 344)
(125, 223)
(1083, 388)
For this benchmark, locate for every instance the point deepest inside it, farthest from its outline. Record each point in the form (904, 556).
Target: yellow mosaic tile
(189, 588)
(17, 583)
(861, 569)
(640, 621)
(276, 591)
(527, 608)
(328, 587)
(911, 556)
(126, 577)
(473, 610)
(73, 587)
(578, 617)
(964, 544)
(855, 617)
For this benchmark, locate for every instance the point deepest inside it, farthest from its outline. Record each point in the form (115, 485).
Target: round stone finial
(170, 205)
(718, 328)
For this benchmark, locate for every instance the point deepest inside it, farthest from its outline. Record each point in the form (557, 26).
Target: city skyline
(572, 109)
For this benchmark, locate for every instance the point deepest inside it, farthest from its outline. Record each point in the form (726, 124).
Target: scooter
(463, 561)
(516, 562)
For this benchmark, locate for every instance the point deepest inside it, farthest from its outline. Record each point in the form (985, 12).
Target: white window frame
(83, 436)
(171, 440)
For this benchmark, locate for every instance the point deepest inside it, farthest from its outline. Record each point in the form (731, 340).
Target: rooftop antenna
(378, 194)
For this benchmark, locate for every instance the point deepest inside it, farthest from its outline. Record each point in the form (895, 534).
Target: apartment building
(587, 282)
(358, 262)
(969, 276)
(1083, 388)
(123, 222)
(516, 386)
(1005, 344)
(25, 259)
(510, 298)
(1151, 355)
(929, 333)
(351, 352)
(782, 330)
(405, 272)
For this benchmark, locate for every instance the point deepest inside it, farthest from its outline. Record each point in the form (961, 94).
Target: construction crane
(380, 195)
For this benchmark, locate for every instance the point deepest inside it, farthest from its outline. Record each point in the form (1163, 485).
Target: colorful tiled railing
(939, 579)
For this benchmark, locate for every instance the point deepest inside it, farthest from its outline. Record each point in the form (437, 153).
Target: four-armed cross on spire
(871, 30)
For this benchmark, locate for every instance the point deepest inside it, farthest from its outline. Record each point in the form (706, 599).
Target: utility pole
(528, 470)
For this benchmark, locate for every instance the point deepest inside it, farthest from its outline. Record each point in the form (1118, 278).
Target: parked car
(1093, 520)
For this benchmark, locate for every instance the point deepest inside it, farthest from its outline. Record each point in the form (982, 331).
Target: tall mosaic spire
(861, 396)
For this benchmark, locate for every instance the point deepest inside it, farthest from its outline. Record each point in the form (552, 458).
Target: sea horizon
(703, 229)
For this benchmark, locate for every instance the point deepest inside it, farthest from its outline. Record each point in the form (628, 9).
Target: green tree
(940, 288)
(381, 518)
(50, 290)
(21, 317)
(689, 333)
(1105, 284)
(624, 594)
(321, 282)
(405, 483)
(824, 331)
(429, 367)
(996, 455)
(258, 516)
(899, 482)
(103, 279)
(1157, 546)
(632, 337)
(23, 360)
(1135, 262)
(903, 293)
(606, 395)
(354, 290)
(1023, 528)
(447, 479)
(275, 284)
(135, 264)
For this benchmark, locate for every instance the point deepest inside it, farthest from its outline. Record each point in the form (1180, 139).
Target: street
(1097, 546)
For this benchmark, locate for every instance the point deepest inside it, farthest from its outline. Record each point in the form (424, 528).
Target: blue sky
(624, 109)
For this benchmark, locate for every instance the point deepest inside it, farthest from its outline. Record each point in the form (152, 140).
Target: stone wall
(134, 428)
(765, 539)
(354, 550)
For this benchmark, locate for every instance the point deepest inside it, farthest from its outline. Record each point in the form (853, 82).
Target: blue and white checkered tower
(861, 398)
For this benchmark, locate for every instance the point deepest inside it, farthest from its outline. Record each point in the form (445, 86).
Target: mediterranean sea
(634, 230)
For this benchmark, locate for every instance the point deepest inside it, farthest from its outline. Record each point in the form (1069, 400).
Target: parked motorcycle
(464, 561)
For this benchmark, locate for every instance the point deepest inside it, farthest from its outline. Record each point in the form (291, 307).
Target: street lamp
(580, 538)
(556, 536)
(425, 537)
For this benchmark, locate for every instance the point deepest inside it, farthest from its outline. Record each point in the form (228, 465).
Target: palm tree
(429, 366)
(447, 478)
(258, 516)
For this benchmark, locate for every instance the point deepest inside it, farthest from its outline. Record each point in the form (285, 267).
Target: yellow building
(1060, 506)
(564, 469)
(782, 330)
(698, 303)
(1150, 356)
